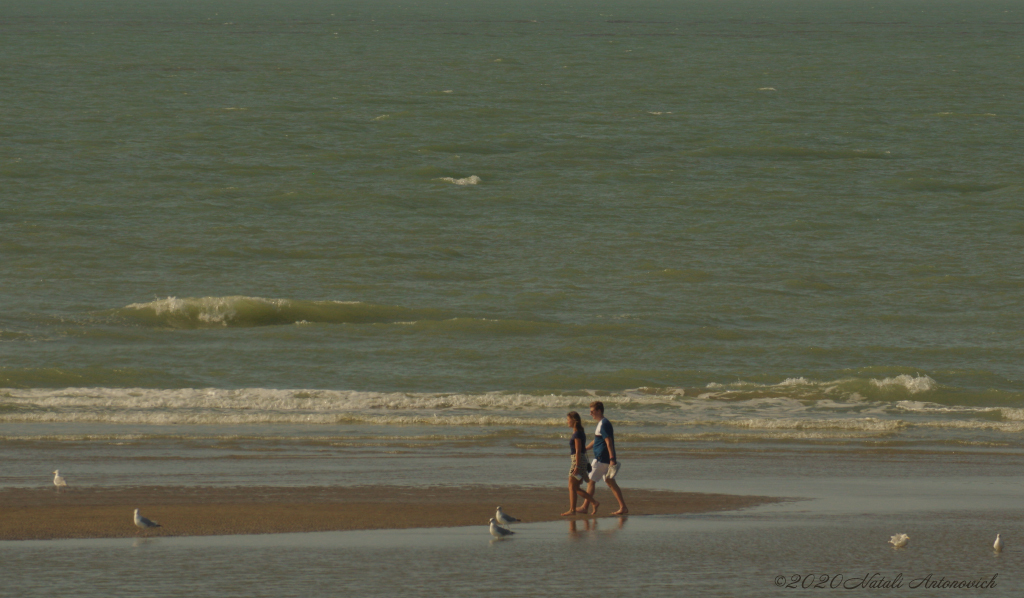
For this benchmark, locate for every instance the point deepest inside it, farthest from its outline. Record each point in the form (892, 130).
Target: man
(604, 455)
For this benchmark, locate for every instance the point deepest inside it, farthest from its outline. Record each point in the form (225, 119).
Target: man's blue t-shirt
(603, 432)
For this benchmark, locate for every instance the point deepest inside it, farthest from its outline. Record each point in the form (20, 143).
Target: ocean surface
(254, 242)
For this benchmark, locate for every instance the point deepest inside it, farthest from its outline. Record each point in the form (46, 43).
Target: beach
(104, 513)
(314, 286)
(833, 528)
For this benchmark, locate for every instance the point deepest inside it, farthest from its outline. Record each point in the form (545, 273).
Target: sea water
(253, 242)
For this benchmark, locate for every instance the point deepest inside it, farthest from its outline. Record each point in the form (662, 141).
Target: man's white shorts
(598, 471)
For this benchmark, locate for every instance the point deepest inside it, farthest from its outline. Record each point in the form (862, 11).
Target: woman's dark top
(583, 441)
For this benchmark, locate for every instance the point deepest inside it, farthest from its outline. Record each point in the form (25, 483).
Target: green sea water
(528, 197)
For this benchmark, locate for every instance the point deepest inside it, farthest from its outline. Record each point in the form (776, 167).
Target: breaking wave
(848, 389)
(742, 407)
(914, 384)
(239, 311)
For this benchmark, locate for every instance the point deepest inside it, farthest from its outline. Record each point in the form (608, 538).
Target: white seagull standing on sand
(503, 517)
(59, 481)
(899, 540)
(998, 546)
(499, 532)
(142, 522)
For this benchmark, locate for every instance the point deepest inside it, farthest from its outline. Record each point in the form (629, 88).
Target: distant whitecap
(470, 180)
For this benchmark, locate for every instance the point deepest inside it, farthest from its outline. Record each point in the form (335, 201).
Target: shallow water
(845, 505)
(716, 555)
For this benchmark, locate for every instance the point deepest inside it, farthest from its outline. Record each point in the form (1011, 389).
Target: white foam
(1011, 414)
(651, 409)
(869, 424)
(247, 406)
(209, 310)
(1015, 427)
(470, 180)
(1005, 413)
(926, 407)
(914, 384)
(254, 311)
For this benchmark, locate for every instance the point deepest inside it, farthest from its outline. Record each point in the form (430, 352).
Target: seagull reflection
(140, 542)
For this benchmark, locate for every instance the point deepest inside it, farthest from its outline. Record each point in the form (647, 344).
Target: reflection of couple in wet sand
(590, 525)
(604, 456)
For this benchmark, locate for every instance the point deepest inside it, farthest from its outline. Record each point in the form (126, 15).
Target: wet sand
(42, 514)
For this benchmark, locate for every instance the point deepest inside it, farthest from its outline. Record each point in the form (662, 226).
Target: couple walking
(604, 455)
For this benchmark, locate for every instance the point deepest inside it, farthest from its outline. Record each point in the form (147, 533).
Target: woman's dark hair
(575, 417)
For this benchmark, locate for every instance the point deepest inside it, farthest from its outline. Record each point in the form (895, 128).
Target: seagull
(504, 517)
(59, 481)
(499, 532)
(899, 540)
(998, 546)
(142, 522)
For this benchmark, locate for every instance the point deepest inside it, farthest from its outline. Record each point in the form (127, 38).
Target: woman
(578, 470)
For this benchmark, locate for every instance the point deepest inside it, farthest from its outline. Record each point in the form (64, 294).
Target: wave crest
(914, 384)
(239, 311)
(470, 180)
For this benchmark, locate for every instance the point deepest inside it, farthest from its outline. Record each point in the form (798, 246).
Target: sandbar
(95, 512)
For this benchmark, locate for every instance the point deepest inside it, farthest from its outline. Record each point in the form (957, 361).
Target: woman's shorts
(581, 474)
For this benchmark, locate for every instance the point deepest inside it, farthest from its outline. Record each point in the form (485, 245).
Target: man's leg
(618, 496)
(586, 503)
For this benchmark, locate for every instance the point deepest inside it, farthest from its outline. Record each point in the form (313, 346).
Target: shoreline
(43, 514)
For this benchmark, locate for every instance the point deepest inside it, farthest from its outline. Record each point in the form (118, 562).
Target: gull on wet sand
(59, 481)
(998, 546)
(499, 532)
(899, 540)
(142, 522)
(503, 517)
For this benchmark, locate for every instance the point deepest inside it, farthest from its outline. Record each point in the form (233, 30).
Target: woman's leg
(587, 498)
(574, 486)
